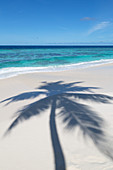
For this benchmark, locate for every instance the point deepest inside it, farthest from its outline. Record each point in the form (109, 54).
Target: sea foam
(14, 71)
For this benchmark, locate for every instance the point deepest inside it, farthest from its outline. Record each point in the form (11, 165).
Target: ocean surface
(16, 60)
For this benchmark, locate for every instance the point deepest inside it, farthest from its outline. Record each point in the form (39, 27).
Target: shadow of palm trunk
(58, 153)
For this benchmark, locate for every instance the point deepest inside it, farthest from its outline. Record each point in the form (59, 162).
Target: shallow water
(24, 59)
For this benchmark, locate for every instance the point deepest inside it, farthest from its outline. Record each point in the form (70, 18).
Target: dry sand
(66, 123)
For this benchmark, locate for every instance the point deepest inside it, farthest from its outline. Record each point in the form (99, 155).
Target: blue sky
(56, 22)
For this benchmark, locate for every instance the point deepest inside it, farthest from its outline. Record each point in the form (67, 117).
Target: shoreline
(15, 71)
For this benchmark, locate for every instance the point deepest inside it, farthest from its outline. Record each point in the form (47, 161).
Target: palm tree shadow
(62, 96)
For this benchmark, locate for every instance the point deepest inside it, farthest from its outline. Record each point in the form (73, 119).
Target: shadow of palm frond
(51, 89)
(22, 96)
(65, 97)
(75, 114)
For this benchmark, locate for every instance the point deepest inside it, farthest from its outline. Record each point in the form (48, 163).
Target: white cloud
(87, 19)
(99, 26)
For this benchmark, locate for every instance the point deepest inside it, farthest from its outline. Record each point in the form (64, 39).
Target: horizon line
(54, 45)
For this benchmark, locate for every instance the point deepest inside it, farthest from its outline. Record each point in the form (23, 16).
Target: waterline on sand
(14, 71)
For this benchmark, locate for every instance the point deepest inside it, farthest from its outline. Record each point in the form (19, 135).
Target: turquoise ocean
(16, 60)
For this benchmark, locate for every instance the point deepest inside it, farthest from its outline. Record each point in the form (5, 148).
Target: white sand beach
(57, 121)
